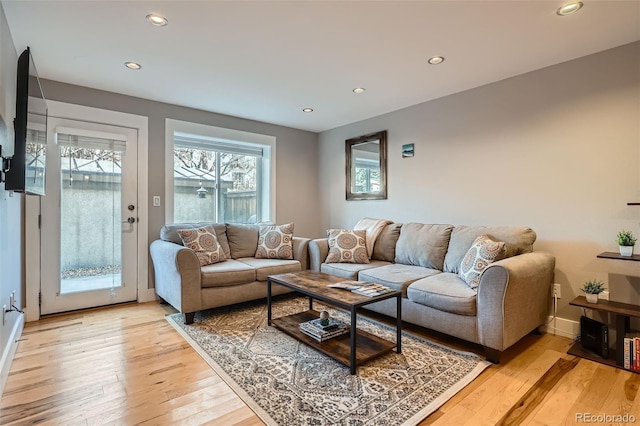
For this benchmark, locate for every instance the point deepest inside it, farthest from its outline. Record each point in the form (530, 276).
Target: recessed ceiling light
(132, 65)
(569, 8)
(308, 110)
(359, 90)
(157, 20)
(435, 60)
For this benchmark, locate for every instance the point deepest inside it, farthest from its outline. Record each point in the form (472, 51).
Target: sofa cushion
(396, 276)
(170, 233)
(275, 242)
(482, 252)
(385, 245)
(243, 239)
(266, 267)
(372, 229)
(445, 292)
(423, 245)
(204, 243)
(518, 240)
(347, 246)
(230, 272)
(349, 270)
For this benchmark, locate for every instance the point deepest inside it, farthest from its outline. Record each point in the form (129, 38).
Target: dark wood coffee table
(351, 349)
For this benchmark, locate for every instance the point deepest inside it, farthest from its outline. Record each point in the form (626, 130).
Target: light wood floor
(126, 365)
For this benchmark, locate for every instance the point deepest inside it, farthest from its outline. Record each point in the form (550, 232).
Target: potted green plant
(626, 241)
(592, 289)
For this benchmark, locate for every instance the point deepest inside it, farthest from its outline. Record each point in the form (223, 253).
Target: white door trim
(32, 243)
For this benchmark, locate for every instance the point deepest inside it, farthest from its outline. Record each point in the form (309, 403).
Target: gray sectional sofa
(189, 287)
(423, 261)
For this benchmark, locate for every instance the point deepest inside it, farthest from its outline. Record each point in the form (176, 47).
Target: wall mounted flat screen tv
(27, 171)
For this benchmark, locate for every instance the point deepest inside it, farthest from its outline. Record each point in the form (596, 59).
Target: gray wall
(556, 149)
(11, 240)
(296, 152)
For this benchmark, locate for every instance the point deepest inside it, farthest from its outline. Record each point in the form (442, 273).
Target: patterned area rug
(288, 383)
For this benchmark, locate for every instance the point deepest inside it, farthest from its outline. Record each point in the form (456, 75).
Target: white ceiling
(267, 60)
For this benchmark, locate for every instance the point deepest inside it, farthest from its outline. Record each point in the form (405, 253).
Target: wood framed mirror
(366, 167)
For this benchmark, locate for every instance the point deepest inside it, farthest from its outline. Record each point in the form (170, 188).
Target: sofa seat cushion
(266, 267)
(349, 270)
(445, 292)
(229, 272)
(396, 276)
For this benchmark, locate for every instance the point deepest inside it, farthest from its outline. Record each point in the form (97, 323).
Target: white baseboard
(562, 327)
(147, 295)
(10, 351)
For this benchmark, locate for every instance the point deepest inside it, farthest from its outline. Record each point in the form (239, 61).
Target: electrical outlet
(557, 291)
(12, 299)
(604, 295)
(4, 314)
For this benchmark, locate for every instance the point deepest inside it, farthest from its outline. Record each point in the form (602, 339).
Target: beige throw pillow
(347, 246)
(372, 228)
(204, 242)
(275, 242)
(482, 252)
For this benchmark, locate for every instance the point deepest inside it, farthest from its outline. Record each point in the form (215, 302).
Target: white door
(89, 216)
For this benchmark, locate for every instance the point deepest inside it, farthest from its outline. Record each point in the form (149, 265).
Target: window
(367, 175)
(218, 179)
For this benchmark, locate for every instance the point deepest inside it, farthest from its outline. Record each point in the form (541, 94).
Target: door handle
(130, 220)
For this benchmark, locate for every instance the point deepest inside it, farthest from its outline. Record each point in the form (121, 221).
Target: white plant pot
(592, 298)
(626, 250)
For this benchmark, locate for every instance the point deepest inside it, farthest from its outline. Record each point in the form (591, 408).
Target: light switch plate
(156, 201)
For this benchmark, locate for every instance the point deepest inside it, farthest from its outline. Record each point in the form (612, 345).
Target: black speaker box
(594, 337)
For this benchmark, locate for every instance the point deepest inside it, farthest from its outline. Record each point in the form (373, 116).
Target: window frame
(267, 192)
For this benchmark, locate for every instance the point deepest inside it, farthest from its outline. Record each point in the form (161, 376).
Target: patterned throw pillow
(204, 242)
(482, 252)
(346, 246)
(275, 242)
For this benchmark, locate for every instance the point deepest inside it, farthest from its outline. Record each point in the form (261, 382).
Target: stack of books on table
(320, 333)
(362, 287)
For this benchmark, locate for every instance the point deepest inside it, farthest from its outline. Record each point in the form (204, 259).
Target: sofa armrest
(177, 275)
(301, 251)
(318, 251)
(513, 298)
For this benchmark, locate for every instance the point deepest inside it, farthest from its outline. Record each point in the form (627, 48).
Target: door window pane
(90, 228)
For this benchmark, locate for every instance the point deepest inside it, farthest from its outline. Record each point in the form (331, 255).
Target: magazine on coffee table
(362, 287)
(349, 284)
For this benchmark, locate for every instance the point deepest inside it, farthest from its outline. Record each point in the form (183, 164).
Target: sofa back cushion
(518, 240)
(243, 239)
(423, 245)
(170, 233)
(385, 245)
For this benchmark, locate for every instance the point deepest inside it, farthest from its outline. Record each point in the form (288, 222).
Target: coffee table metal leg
(268, 301)
(352, 357)
(399, 325)
(310, 303)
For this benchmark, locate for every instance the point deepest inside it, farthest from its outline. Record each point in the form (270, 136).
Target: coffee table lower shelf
(368, 346)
